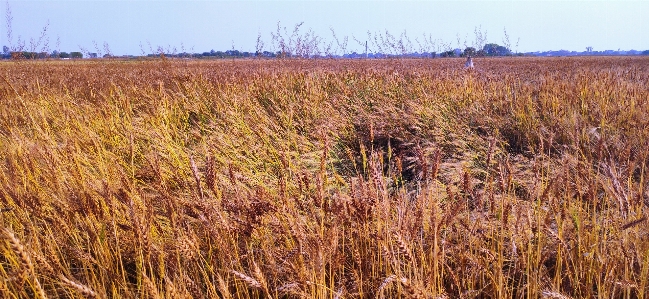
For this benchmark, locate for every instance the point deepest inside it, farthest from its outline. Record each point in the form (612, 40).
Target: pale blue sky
(206, 25)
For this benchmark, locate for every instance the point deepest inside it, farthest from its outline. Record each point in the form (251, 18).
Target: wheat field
(403, 178)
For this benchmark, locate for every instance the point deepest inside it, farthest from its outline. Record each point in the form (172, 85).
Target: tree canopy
(496, 50)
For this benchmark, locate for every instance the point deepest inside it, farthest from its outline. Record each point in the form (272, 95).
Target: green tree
(450, 53)
(496, 50)
(469, 51)
(76, 55)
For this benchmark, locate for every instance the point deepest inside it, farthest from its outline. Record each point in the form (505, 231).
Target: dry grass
(523, 178)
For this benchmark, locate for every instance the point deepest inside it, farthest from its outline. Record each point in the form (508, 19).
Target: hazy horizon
(129, 27)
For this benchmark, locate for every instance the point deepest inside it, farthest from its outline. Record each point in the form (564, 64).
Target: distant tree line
(8, 54)
(212, 53)
(488, 50)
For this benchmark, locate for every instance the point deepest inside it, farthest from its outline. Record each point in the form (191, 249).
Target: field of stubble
(523, 178)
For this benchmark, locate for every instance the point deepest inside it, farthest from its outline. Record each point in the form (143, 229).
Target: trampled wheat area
(521, 178)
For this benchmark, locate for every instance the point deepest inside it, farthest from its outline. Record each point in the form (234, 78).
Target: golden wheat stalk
(23, 258)
(193, 287)
(254, 282)
(385, 283)
(223, 287)
(404, 249)
(412, 290)
(81, 288)
(170, 289)
(197, 178)
(26, 267)
(151, 288)
(41, 261)
(251, 281)
(554, 295)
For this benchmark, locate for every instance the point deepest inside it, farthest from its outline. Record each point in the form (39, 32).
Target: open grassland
(523, 178)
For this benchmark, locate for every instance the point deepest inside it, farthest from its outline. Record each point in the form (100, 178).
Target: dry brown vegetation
(523, 178)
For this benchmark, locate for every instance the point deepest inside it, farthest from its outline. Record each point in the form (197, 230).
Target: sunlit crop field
(521, 178)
